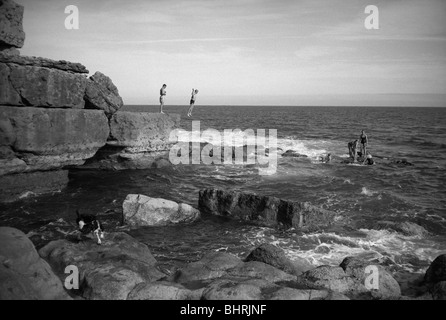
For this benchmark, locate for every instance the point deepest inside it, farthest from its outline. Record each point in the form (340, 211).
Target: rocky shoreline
(122, 268)
(53, 118)
(125, 269)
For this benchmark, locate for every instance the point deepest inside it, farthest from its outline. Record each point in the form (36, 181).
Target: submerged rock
(263, 210)
(108, 271)
(274, 256)
(405, 228)
(293, 154)
(18, 186)
(140, 210)
(23, 274)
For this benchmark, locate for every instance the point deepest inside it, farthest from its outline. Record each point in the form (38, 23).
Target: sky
(252, 52)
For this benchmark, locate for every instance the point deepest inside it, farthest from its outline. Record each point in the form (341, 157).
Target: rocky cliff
(53, 118)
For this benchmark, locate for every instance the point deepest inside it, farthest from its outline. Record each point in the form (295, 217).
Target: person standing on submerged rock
(192, 102)
(364, 141)
(162, 95)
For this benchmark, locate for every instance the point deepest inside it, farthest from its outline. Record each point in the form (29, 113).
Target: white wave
(330, 248)
(367, 192)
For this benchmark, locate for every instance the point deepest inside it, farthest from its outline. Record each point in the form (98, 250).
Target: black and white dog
(89, 223)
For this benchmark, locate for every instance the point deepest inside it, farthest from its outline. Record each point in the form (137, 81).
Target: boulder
(329, 278)
(48, 139)
(41, 87)
(23, 274)
(274, 256)
(259, 270)
(212, 265)
(102, 94)
(439, 290)
(232, 290)
(388, 287)
(109, 271)
(263, 210)
(437, 270)
(259, 289)
(163, 290)
(140, 210)
(11, 28)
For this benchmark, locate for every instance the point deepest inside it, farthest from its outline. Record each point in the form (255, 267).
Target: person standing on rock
(162, 95)
(364, 142)
(192, 102)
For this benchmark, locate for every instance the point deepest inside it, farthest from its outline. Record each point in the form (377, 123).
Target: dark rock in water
(11, 28)
(161, 163)
(17, 186)
(388, 287)
(405, 228)
(23, 274)
(439, 290)
(102, 94)
(274, 256)
(293, 154)
(262, 210)
(402, 162)
(140, 210)
(437, 270)
(109, 271)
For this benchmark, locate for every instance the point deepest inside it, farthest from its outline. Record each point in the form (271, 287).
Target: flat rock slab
(47, 139)
(11, 57)
(142, 132)
(41, 87)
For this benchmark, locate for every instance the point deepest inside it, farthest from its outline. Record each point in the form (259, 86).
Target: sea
(364, 196)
